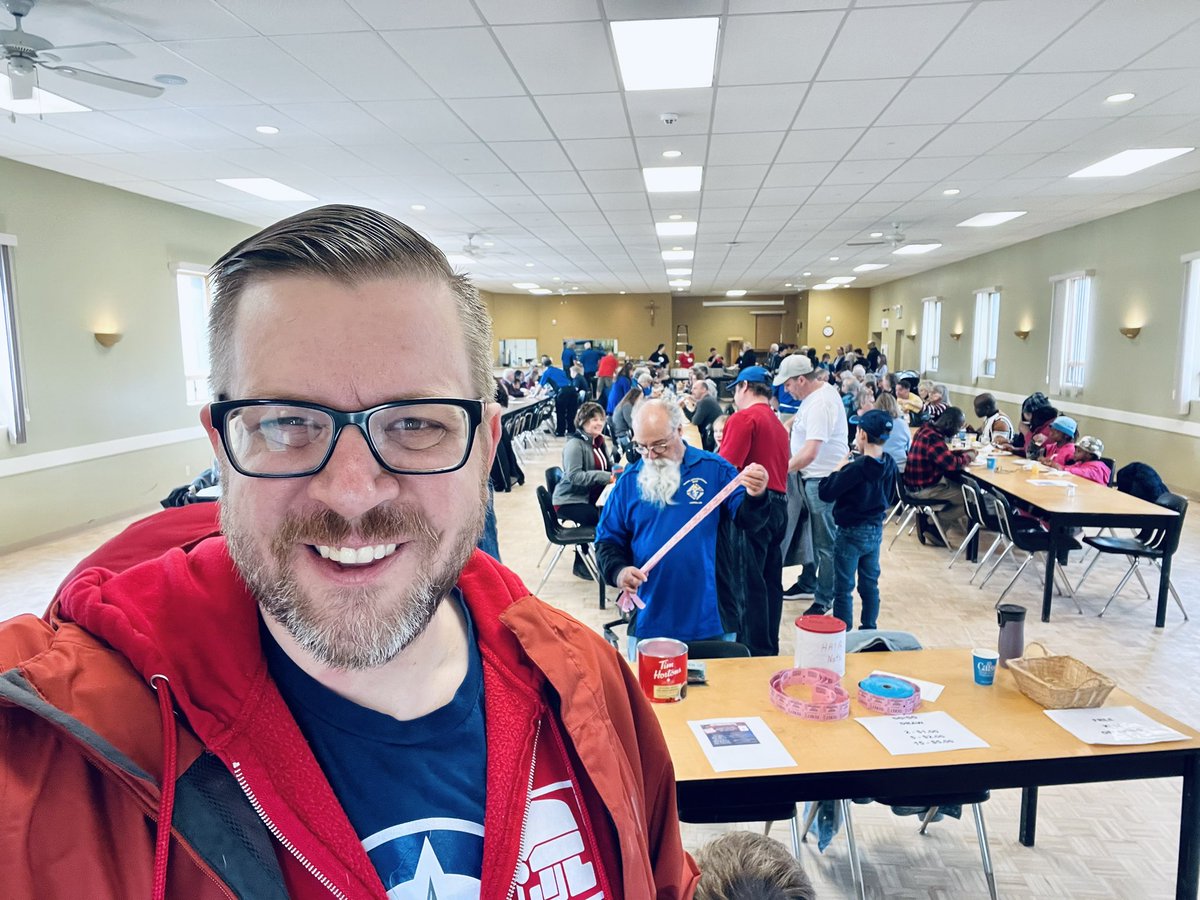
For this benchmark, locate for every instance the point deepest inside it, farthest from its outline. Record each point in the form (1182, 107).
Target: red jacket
(84, 741)
(607, 367)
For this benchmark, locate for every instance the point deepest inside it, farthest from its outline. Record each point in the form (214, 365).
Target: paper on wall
(739, 743)
(1113, 725)
(932, 732)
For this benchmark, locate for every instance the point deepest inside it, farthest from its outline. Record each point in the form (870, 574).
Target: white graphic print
(556, 866)
(429, 858)
(695, 489)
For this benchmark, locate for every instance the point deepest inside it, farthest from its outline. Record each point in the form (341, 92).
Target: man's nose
(353, 481)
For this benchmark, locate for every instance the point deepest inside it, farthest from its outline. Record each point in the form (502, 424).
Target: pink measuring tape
(629, 599)
(829, 702)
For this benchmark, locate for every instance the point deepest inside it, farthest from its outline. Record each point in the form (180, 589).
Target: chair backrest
(549, 517)
(717, 650)
(1112, 470)
(1004, 514)
(1167, 538)
(972, 500)
(554, 475)
(879, 641)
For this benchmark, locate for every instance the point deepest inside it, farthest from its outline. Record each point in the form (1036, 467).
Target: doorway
(768, 330)
(894, 361)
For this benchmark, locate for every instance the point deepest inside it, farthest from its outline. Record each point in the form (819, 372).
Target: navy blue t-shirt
(414, 791)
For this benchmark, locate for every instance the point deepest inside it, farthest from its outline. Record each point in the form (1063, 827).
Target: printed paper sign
(1113, 725)
(932, 732)
(737, 744)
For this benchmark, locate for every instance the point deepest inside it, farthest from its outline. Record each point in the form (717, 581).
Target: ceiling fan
(896, 237)
(24, 54)
(477, 251)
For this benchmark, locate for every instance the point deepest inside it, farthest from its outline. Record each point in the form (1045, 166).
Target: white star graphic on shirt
(430, 881)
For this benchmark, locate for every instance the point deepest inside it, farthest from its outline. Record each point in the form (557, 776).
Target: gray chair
(1034, 541)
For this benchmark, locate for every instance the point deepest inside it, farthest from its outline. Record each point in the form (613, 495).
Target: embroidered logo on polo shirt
(695, 490)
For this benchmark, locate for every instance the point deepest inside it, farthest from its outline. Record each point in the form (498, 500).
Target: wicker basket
(1059, 682)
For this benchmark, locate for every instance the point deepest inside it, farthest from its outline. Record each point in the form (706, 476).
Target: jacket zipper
(512, 887)
(288, 845)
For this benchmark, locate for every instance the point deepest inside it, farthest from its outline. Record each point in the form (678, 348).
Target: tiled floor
(1101, 841)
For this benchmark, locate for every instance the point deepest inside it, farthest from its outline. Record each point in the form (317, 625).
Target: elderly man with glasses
(340, 697)
(654, 499)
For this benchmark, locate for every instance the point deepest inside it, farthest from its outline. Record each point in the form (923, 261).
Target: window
(12, 390)
(931, 333)
(1187, 387)
(1070, 319)
(987, 332)
(191, 283)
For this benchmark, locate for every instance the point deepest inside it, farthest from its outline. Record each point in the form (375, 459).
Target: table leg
(1028, 830)
(1051, 561)
(1188, 876)
(1164, 585)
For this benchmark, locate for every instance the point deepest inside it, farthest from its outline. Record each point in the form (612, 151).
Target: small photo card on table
(740, 743)
(932, 732)
(1113, 725)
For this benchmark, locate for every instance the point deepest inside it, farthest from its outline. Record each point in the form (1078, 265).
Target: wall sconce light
(1022, 333)
(910, 336)
(1131, 333)
(956, 335)
(107, 338)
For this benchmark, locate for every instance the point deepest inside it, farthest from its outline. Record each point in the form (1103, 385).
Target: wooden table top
(1090, 497)
(1015, 727)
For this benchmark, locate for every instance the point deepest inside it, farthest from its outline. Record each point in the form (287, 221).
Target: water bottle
(1012, 632)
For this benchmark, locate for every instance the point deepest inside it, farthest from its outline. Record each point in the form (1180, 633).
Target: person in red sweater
(606, 370)
(754, 434)
(687, 358)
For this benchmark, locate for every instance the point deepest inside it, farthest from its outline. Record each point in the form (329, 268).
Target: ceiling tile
(745, 148)
(546, 184)
(188, 19)
(861, 171)
(460, 158)
(612, 181)
(387, 14)
(693, 106)
(970, 139)
(585, 115)
(344, 122)
(775, 48)
(1025, 97)
(797, 174)
(818, 145)
(438, 56)
(726, 177)
(563, 58)
(378, 73)
(532, 156)
(866, 45)
(183, 127)
(845, 104)
(1105, 34)
(303, 16)
(893, 142)
(938, 100)
(517, 12)
(502, 118)
(758, 108)
(608, 153)
(497, 184)
(420, 121)
(1047, 135)
(259, 67)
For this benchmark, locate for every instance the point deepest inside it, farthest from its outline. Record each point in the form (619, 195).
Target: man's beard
(352, 627)
(658, 480)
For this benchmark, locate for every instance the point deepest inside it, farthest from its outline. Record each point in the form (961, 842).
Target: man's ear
(213, 437)
(492, 419)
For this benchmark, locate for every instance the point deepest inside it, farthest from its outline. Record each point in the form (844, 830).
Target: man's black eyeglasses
(292, 438)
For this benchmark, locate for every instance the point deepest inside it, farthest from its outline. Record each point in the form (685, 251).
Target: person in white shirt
(995, 423)
(818, 446)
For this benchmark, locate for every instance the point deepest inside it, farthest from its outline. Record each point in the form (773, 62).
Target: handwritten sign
(1113, 725)
(932, 732)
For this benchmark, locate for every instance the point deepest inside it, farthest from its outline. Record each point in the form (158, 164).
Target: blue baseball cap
(751, 373)
(874, 422)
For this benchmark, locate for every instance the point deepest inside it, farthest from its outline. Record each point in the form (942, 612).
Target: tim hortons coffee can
(662, 669)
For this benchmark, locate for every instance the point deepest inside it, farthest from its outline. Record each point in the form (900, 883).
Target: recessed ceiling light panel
(737, 293)
(679, 271)
(672, 179)
(267, 188)
(870, 267)
(1129, 161)
(666, 54)
(987, 220)
(1124, 97)
(841, 279)
(525, 285)
(678, 255)
(675, 229)
(916, 249)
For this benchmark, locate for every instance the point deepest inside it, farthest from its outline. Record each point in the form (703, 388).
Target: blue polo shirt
(681, 592)
(590, 359)
(555, 377)
(788, 405)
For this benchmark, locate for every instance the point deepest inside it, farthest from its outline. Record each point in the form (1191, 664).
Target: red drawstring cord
(166, 802)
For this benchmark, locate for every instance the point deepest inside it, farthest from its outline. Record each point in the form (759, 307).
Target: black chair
(1112, 470)
(982, 519)
(917, 506)
(1030, 536)
(1152, 544)
(554, 475)
(579, 537)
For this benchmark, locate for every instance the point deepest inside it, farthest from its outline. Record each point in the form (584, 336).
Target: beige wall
(715, 326)
(846, 309)
(1138, 281)
(90, 257)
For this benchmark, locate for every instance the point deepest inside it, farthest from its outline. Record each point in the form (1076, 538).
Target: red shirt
(687, 360)
(755, 435)
(607, 367)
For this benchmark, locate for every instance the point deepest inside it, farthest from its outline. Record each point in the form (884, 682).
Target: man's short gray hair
(349, 244)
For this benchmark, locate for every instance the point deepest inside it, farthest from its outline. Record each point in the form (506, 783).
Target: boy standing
(861, 492)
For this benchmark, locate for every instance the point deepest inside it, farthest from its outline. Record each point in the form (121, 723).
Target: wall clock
(827, 331)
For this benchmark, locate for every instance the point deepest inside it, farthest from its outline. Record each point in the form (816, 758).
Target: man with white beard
(653, 500)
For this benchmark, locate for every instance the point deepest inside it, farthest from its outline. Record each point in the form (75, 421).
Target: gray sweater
(580, 473)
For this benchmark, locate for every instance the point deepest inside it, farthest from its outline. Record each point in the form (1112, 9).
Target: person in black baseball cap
(861, 492)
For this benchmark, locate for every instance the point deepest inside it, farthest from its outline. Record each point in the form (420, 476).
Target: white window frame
(1187, 379)
(1072, 301)
(13, 412)
(193, 333)
(931, 333)
(986, 338)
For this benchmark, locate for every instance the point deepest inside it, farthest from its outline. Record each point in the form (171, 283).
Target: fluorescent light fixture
(525, 285)
(806, 274)
(665, 54)
(679, 282)
(556, 278)
(735, 293)
(787, 284)
(679, 271)
(916, 249)
(876, 234)
(672, 154)
(834, 258)
(678, 255)
(529, 265)
(870, 267)
(675, 229)
(743, 303)
(951, 192)
(824, 287)
(675, 217)
(987, 220)
(672, 179)
(485, 243)
(1119, 98)
(1129, 161)
(417, 207)
(266, 129)
(541, 292)
(41, 102)
(267, 188)
(841, 279)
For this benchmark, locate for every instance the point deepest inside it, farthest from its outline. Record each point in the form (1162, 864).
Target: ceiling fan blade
(864, 243)
(108, 81)
(21, 81)
(97, 51)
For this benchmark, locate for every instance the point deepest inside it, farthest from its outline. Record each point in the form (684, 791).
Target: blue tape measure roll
(889, 688)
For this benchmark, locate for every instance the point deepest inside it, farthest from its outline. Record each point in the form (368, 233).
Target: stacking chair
(981, 520)
(916, 506)
(578, 537)
(554, 475)
(1152, 544)
(934, 802)
(1034, 541)
(1112, 470)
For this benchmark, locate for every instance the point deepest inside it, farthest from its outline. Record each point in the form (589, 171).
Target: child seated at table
(1058, 446)
(744, 865)
(1086, 461)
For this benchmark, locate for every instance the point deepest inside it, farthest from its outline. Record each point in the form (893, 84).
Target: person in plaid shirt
(930, 460)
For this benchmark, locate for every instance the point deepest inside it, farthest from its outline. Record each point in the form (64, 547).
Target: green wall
(1128, 399)
(92, 257)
